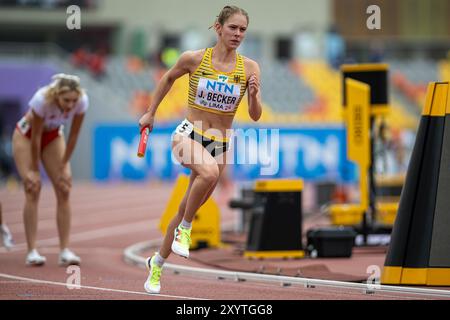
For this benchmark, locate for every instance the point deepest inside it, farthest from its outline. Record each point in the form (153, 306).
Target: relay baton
(143, 142)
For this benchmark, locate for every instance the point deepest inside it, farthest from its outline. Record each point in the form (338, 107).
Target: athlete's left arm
(254, 92)
(73, 136)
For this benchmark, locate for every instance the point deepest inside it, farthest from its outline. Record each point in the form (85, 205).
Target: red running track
(107, 218)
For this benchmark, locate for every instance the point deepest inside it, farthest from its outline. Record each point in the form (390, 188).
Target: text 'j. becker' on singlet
(216, 91)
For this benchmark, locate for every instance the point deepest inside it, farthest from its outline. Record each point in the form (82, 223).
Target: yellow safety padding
(351, 214)
(414, 276)
(436, 100)
(387, 212)
(274, 254)
(429, 99)
(391, 275)
(438, 277)
(276, 185)
(447, 109)
(390, 180)
(380, 109)
(364, 67)
(346, 214)
(206, 223)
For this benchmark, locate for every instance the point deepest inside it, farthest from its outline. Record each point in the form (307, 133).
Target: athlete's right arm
(32, 180)
(183, 66)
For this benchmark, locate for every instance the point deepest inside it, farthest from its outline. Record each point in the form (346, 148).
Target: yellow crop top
(215, 91)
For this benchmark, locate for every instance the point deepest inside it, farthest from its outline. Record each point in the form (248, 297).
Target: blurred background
(124, 47)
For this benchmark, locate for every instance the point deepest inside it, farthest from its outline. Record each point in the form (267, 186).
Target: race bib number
(217, 95)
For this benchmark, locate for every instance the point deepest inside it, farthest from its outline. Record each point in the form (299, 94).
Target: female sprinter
(39, 136)
(218, 79)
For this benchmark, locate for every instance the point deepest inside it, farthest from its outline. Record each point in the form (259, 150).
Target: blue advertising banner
(312, 154)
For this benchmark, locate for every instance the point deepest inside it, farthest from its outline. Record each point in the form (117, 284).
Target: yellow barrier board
(279, 185)
(358, 144)
(364, 67)
(358, 132)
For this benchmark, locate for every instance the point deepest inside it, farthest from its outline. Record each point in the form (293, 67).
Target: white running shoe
(153, 282)
(6, 236)
(34, 258)
(67, 258)
(181, 241)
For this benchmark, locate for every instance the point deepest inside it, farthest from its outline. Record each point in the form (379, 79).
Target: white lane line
(146, 225)
(50, 223)
(8, 276)
(82, 250)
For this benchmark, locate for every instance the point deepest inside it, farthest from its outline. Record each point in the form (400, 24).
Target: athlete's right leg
(194, 156)
(165, 249)
(191, 154)
(204, 176)
(21, 146)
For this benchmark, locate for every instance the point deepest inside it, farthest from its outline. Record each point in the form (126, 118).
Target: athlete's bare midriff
(210, 120)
